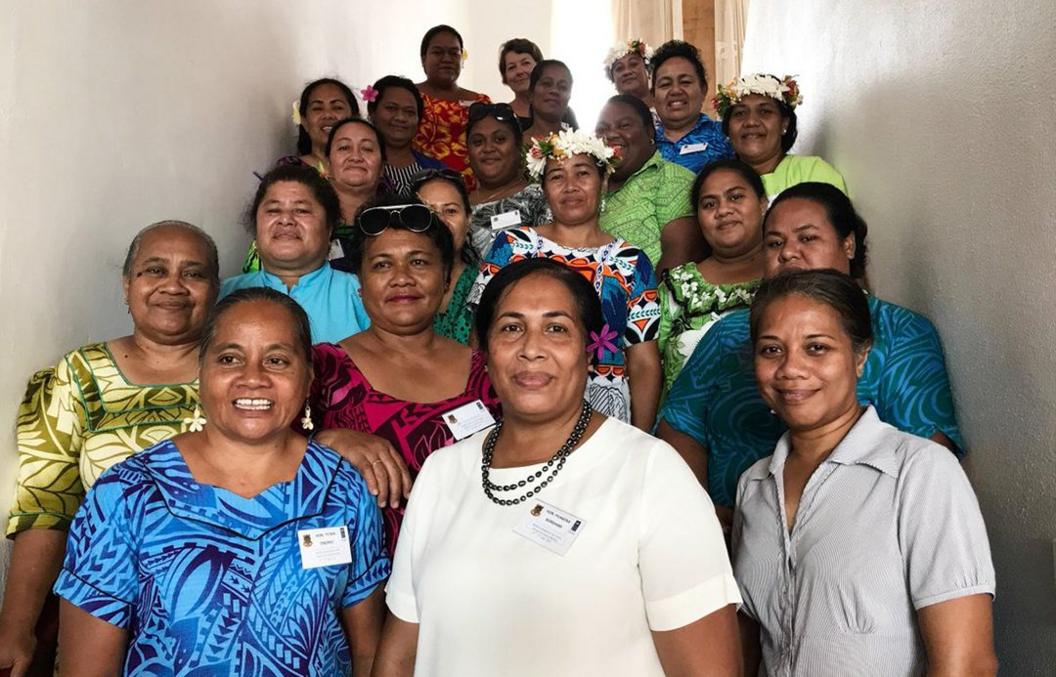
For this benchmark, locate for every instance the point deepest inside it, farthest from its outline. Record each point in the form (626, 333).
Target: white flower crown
(564, 144)
(637, 46)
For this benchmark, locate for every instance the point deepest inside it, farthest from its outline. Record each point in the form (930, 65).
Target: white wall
(120, 113)
(940, 116)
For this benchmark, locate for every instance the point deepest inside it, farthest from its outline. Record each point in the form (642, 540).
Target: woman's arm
(88, 646)
(680, 241)
(959, 637)
(363, 629)
(708, 647)
(35, 562)
(695, 455)
(376, 460)
(399, 647)
(751, 651)
(646, 376)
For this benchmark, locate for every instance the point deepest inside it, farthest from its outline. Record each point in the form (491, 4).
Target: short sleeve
(643, 304)
(669, 308)
(914, 389)
(685, 569)
(49, 437)
(673, 201)
(941, 530)
(498, 256)
(400, 594)
(99, 573)
(370, 564)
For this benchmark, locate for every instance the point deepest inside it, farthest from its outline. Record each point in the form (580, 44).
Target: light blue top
(330, 297)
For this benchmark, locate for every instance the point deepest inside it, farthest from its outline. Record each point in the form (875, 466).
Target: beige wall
(940, 115)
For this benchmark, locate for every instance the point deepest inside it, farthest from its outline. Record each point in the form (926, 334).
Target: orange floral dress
(442, 133)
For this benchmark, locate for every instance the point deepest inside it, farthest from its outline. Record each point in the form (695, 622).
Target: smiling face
(443, 59)
(756, 127)
(254, 376)
(573, 189)
(621, 127)
(805, 363)
(799, 236)
(629, 75)
(552, 92)
(517, 71)
(537, 358)
(403, 281)
(445, 200)
(493, 153)
(170, 287)
(326, 105)
(396, 117)
(292, 235)
(730, 214)
(678, 93)
(355, 158)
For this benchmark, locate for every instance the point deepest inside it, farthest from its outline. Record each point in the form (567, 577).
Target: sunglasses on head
(499, 111)
(416, 218)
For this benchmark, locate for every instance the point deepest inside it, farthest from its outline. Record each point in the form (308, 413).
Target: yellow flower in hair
(465, 55)
(296, 116)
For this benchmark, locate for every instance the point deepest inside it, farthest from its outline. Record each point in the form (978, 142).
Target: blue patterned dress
(715, 400)
(210, 583)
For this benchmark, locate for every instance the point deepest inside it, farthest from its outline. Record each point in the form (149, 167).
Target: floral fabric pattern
(530, 205)
(442, 133)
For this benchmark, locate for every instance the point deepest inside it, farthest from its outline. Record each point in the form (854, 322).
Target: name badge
(692, 148)
(468, 419)
(506, 220)
(550, 527)
(336, 250)
(324, 547)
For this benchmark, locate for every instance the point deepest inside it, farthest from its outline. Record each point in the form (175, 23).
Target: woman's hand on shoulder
(376, 460)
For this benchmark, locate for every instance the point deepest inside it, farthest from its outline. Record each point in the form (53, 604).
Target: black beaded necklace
(559, 457)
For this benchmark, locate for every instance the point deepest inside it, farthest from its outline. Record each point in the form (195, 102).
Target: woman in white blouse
(602, 558)
(859, 548)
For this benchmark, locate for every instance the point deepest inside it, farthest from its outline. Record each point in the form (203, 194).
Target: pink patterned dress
(342, 397)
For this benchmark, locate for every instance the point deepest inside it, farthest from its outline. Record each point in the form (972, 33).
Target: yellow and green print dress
(78, 419)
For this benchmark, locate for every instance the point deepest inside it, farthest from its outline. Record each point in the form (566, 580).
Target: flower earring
(306, 420)
(196, 422)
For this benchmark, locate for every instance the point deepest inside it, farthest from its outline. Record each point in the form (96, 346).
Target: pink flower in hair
(600, 343)
(369, 94)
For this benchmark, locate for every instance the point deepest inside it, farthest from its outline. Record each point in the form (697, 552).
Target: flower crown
(784, 90)
(565, 144)
(637, 46)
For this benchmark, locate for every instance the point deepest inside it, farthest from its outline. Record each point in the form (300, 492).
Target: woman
(714, 415)
(323, 102)
(868, 538)
(758, 115)
(573, 167)
(399, 380)
(239, 547)
(517, 58)
(294, 214)
(648, 199)
(396, 108)
(731, 204)
(550, 90)
(627, 67)
(445, 193)
(503, 197)
(442, 132)
(558, 584)
(685, 135)
(100, 404)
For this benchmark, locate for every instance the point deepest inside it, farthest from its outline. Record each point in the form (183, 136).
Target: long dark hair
(840, 212)
(304, 142)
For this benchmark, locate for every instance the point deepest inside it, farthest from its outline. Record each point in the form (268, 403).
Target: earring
(306, 421)
(603, 205)
(196, 422)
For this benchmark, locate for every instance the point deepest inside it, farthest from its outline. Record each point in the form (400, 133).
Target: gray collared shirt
(887, 524)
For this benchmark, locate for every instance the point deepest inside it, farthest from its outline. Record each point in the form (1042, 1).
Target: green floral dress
(456, 322)
(689, 305)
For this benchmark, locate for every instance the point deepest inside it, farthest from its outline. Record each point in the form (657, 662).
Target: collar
(320, 274)
(652, 163)
(303, 496)
(701, 121)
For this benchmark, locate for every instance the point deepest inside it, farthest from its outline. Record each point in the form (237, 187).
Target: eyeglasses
(430, 174)
(416, 218)
(500, 111)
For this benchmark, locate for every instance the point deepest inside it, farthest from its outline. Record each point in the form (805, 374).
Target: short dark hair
(833, 288)
(435, 31)
(537, 71)
(399, 82)
(672, 49)
(517, 46)
(469, 254)
(304, 142)
(788, 139)
(212, 257)
(639, 107)
(437, 232)
(840, 212)
(588, 306)
(728, 164)
(321, 190)
(302, 328)
(355, 121)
